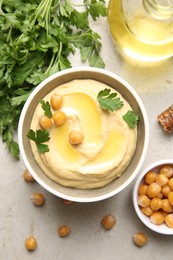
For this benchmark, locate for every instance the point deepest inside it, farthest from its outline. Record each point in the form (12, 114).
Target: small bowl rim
(145, 147)
(162, 229)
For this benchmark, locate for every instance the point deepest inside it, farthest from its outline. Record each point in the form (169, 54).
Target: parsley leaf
(40, 137)
(90, 46)
(11, 144)
(131, 119)
(80, 19)
(96, 9)
(46, 108)
(109, 101)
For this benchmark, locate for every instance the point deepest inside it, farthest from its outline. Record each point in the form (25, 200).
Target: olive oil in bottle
(142, 29)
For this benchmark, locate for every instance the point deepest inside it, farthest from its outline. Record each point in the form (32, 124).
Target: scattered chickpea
(31, 243)
(153, 190)
(27, 176)
(155, 203)
(66, 202)
(38, 199)
(157, 218)
(75, 137)
(64, 230)
(108, 221)
(56, 101)
(169, 220)
(142, 189)
(150, 177)
(45, 122)
(140, 239)
(143, 201)
(59, 118)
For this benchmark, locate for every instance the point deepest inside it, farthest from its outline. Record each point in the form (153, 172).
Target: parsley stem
(43, 11)
(9, 35)
(50, 64)
(78, 5)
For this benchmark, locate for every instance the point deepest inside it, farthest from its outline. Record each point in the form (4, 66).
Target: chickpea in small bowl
(153, 196)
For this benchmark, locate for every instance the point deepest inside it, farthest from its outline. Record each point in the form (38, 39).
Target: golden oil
(142, 29)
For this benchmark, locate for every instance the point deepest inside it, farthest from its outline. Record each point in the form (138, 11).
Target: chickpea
(169, 220)
(27, 176)
(59, 118)
(64, 230)
(160, 195)
(45, 122)
(170, 197)
(170, 183)
(167, 170)
(56, 101)
(166, 206)
(38, 199)
(162, 179)
(66, 202)
(142, 189)
(165, 191)
(147, 211)
(157, 218)
(108, 221)
(150, 177)
(143, 201)
(75, 137)
(164, 213)
(153, 190)
(140, 239)
(31, 243)
(155, 203)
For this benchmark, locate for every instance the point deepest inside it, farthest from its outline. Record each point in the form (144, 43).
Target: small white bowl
(127, 92)
(163, 228)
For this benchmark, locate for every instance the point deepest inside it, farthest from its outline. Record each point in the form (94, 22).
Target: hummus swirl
(108, 145)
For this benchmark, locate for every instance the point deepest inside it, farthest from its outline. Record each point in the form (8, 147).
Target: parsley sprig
(36, 40)
(40, 137)
(110, 101)
(131, 119)
(46, 107)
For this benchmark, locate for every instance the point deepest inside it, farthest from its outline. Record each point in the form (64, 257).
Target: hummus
(108, 145)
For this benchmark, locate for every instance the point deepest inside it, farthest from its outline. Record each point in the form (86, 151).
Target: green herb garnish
(40, 137)
(131, 119)
(46, 108)
(109, 101)
(37, 38)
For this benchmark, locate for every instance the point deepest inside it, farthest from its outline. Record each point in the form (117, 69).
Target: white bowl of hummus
(83, 134)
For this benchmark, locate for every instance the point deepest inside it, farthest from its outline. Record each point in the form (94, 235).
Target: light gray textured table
(88, 240)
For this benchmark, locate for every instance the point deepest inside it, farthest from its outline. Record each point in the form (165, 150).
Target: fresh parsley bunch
(36, 38)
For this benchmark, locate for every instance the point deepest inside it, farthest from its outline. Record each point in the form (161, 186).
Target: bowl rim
(146, 126)
(162, 229)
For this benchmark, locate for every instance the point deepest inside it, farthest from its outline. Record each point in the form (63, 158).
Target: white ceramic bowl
(163, 228)
(128, 93)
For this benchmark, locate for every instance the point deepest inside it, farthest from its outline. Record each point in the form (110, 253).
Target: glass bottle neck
(159, 9)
